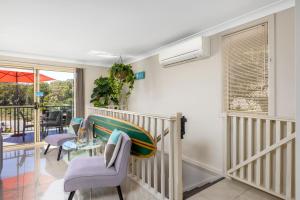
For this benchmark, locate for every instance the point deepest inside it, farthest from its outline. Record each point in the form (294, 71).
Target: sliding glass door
(56, 101)
(17, 108)
(34, 102)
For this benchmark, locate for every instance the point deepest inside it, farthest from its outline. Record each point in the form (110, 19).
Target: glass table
(91, 146)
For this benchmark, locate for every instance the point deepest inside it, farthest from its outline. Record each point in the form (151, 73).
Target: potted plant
(122, 80)
(101, 95)
(114, 89)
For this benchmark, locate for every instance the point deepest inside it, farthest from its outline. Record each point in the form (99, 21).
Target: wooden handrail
(173, 117)
(255, 116)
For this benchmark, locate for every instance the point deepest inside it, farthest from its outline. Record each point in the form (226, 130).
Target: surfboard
(143, 144)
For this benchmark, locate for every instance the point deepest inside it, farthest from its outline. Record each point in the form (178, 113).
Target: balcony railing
(12, 117)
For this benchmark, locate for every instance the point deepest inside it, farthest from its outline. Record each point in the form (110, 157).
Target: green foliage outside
(115, 89)
(56, 93)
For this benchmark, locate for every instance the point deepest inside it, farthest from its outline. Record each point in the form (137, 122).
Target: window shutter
(245, 55)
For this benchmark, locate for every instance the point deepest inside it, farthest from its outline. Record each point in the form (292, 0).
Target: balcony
(17, 122)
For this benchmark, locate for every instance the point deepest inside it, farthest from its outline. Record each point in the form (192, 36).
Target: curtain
(79, 92)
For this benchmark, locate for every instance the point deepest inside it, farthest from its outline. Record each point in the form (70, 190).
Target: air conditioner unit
(188, 50)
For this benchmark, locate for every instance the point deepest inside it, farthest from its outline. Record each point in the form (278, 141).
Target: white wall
(285, 61)
(196, 90)
(90, 75)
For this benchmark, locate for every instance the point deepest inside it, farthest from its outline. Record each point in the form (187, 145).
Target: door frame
(37, 98)
(35, 67)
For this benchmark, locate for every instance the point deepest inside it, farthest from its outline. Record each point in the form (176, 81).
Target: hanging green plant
(114, 89)
(122, 73)
(122, 77)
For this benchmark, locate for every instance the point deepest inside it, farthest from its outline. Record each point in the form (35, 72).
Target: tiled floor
(29, 175)
(231, 190)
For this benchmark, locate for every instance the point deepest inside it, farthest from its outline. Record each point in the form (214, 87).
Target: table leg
(69, 156)
(91, 152)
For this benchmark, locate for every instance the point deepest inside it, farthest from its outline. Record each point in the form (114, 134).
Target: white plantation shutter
(246, 63)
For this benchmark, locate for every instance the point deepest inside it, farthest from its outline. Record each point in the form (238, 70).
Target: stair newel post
(178, 159)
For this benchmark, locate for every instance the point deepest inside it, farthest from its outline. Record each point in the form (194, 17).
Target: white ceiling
(71, 30)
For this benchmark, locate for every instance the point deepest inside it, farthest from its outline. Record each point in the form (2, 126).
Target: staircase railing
(261, 152)
(161, 174)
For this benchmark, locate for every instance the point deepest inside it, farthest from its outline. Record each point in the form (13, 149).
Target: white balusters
(242, 145)
(149, 161)
(278, 159)
(152, 173)
(171, 159)
(155, 159)
(162, 161)
(268, 156)
(289, 166)
(250, 148)
(258, 149)
(264, 146)
(143, 161)
(234, 143)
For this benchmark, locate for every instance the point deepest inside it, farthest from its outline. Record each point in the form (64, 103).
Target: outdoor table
(91, 146)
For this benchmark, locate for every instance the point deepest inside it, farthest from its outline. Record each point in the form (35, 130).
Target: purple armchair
(90, 172)
(58, 140)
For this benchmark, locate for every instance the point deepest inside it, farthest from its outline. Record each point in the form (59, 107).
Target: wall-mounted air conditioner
(187, 50)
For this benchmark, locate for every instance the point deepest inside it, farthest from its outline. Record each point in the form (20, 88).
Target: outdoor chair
(27, 123)
(68, 118)
(91, 172)
(54, 120)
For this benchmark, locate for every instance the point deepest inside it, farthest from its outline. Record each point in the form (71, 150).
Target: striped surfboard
(143, 144)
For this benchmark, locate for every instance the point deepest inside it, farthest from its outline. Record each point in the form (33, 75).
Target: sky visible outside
(62, 76)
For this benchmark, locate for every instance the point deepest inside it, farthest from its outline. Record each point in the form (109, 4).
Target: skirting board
(203, 165)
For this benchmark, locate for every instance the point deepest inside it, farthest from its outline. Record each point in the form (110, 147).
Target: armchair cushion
(89, 172)
(112, 148)
(59, 139)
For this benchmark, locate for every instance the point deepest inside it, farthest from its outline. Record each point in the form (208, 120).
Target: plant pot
(121, 75)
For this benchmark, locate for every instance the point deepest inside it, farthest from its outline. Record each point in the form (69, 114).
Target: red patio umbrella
(7, 76)
(21, 77)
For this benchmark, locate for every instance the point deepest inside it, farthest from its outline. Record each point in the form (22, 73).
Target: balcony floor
(8, 139)
(29, 175)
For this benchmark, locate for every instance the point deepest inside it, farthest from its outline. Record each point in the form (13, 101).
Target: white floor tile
(231, 190)
(30, 175)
